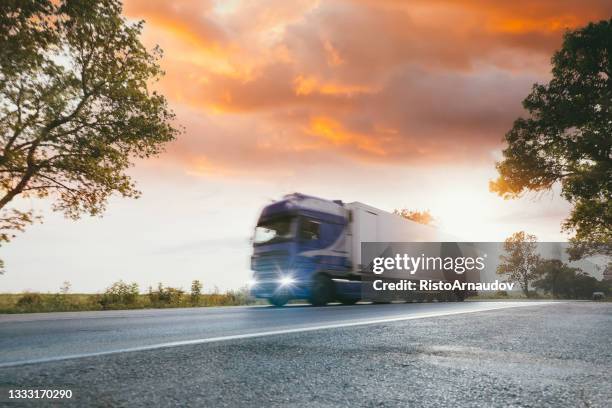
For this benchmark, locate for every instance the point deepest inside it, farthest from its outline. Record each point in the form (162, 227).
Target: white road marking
(483, 307)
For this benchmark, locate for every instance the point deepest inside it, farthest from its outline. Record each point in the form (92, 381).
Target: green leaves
(75, 103)
(567, 137)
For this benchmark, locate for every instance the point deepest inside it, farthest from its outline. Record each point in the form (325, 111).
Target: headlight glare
(286, 281)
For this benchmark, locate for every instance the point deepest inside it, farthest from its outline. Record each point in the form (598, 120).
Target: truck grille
(269, 266)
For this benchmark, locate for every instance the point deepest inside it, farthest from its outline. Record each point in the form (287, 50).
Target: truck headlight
(286, 281)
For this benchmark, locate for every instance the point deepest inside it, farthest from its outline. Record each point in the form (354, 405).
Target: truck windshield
(274, 230)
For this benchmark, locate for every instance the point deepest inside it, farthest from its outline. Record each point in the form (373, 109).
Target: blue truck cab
(300, 251)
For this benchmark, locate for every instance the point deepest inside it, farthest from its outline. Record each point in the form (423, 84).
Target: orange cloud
(284, 84)
(188, 19)
(306, 85)
(333, 131)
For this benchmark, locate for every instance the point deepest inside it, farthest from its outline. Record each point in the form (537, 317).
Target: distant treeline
(565, 282)
(120, 295)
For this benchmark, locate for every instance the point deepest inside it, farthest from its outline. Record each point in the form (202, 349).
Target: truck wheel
(278, 300)
(348, 302)
(322, 291)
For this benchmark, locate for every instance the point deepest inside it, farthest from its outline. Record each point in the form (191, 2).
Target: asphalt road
(448, 354)
(48, 336)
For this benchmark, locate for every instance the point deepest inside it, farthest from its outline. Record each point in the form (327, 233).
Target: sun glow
(469, 212)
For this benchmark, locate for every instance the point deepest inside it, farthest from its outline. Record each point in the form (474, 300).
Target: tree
(566, 282)
(75, 106)
(566, 138)
(519, 265)
(555, 277)
(422, 217)
(584, 285)
(196, 291)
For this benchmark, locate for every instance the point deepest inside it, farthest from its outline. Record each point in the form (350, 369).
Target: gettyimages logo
(397, 270)
(412, 264)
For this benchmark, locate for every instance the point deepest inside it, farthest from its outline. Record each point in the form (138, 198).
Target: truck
(306, 247)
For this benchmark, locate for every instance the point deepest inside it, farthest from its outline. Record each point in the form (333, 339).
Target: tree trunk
(25, 179)
(18, 189)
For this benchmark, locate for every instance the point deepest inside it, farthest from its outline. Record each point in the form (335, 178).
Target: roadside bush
(165, 296)
(61, 301)
(239, 297)
(230, 298)
(30, 301)
(119, 294)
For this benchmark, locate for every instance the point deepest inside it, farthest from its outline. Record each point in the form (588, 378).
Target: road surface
(461, 354)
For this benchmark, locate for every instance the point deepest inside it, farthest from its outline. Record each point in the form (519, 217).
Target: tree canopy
(555, 277)
(75, 105)
(567, 138)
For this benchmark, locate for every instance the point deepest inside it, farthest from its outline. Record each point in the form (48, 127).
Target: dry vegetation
(120, 295)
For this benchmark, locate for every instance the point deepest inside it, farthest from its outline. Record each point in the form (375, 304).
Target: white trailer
(370, 224)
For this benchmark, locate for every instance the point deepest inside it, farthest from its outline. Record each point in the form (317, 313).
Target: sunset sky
(395, 104)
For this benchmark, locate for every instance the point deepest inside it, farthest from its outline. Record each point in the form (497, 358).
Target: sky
(394, 104)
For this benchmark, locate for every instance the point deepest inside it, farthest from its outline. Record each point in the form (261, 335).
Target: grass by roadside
(119, 296)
